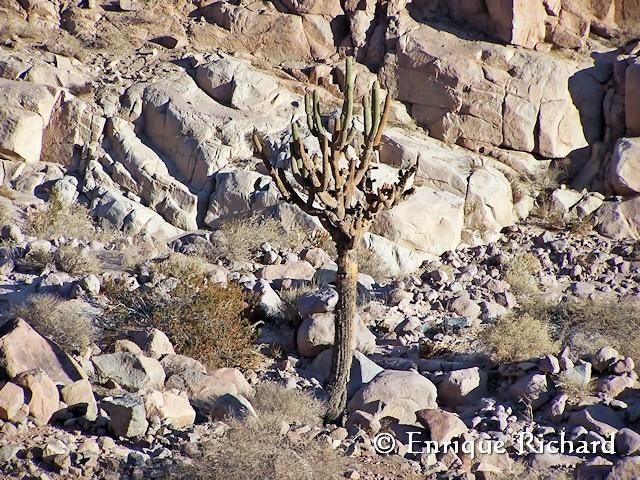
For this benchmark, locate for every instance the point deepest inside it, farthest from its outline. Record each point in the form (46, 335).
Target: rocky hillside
(161, 306)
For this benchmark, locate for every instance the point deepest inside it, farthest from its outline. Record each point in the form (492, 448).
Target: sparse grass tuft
(61, 321)
(59, 220)
(518, 338)
(520, 274)
(257, 449)
(585, 325)
(245, 235)
(76, 261)
(287, 404)
(575, 390)
(369, 262)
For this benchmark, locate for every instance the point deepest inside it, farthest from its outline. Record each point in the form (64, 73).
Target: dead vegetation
(245, 235)
(587, 325)
(272, 400)
(206, 321)
(516, 338)
(520, 274)
(576, 390)
(63, 322)
(55, 219)
(260, 448)
(76, 261)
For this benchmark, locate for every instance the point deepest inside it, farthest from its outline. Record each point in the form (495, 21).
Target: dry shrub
(258, 449)
(273, 400)
(576, 391)
(290, 296)
(369, 262)
(76, 261)
(520, 273)
(139, 251)
(245, 235)
(36, 260)
(59, 220)
(520, 470)
(63, 322)
(186, 268)
(546, 214)
(587, 325)
(205, 321)
(516, 338)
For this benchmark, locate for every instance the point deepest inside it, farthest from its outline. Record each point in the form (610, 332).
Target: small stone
(127, 415)
(627, 442)
(604, 358)
(549, 364)
(44, 398)
(11, 400)
(442, 426)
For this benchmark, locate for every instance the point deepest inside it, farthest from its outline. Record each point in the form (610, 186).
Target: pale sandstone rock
(233, 376)
(362, 371)
(80, 395)
(43, 395)
(620, 219)
(132, 371)
(11, 400)
(316, 333)
(458, 92)
(442, 426)
(463, 386)
(625, 166)
(299, 270)
(170, 405)
(144, 173)
(429, 221)
(23, 349)
(127, 415)
(154, 343)
(403, 394)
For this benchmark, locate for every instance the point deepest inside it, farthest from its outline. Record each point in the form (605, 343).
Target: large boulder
(316, 333)
(11, 400)
(25, 111)
(625, 166)
(620, 219)
(479, 93)
(264, 31)
(79, 397)
(238, 193)
(362, 370)
(108, 203)
(130, 370)
(171, 406)
(140, 170)
(402, 393)
(127, 415)
(23, 349)
(43, 398)
(429, 221)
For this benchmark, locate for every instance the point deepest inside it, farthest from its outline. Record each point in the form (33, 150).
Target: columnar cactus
(335, 185)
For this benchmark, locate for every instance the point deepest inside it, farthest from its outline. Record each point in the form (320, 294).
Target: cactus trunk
(344, 339)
